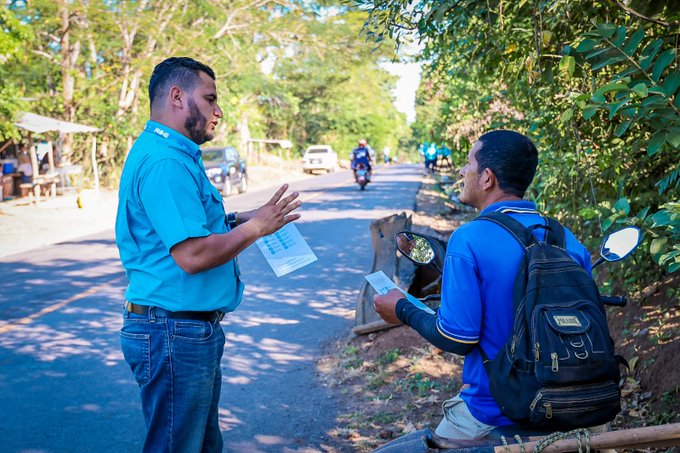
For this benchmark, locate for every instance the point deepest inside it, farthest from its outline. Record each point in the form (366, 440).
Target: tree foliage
(594, 83)
(286, 69)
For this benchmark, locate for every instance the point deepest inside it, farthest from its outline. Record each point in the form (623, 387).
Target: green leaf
(597, 53)
(585, 45)
(606, 30)
(657, 246)
(656, 142)
(671, 83)
(662, 62)
(608, 61)
(649, 52)
(567, 65)
(619, 36)
(622, 205)
(598, 98)
(674, 267)
(613, 108)
(662, 218)
(642, 214)
(634, 41)
(566, 115)
(613, 86)
(673, 137)
(641, 89)
(654, 101)
(606, 223)
(622, 128)
(589, 111)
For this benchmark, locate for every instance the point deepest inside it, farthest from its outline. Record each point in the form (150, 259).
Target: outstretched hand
(276, 213)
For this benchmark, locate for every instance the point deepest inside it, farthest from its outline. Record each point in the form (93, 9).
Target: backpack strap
(554, 230)
(555, 233)
(521, 233)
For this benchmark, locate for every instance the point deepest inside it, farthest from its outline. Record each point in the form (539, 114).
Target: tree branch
(631, 11)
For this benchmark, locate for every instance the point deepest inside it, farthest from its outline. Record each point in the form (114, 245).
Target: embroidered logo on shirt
(161, 132)
(567, 321)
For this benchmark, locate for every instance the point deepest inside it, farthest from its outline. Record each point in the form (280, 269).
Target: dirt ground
(393, 382)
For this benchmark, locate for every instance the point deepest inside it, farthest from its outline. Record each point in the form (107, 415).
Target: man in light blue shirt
(179, 252)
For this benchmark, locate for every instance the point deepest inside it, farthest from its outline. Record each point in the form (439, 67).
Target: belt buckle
(220, 315)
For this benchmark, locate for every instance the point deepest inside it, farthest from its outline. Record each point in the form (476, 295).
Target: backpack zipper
(533, 404)
(555, 365)
(548, 410)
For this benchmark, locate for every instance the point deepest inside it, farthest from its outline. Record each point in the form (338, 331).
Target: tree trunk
(69, 58)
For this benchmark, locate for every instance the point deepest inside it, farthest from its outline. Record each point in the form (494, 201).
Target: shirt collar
(169, 133)
(518, 206)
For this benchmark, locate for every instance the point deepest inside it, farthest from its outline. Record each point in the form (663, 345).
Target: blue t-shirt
(360, 156)
(482, 260)
(165, 198)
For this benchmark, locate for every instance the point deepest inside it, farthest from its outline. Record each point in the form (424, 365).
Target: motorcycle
(362, 176)
(424, 250)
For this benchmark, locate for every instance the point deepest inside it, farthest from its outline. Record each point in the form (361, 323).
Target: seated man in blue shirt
(179, 252)
(481, 263)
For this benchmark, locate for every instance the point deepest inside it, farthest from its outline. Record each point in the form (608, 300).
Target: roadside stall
(56, 175)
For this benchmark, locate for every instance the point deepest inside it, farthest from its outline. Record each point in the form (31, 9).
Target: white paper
(382, 285)
(286, 250)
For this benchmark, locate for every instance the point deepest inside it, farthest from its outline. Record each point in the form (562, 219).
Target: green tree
(594, 83)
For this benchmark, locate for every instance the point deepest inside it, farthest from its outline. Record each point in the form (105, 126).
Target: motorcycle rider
(361, 155)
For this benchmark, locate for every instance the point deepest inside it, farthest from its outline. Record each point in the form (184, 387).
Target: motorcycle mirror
(620, 244)
(414, 247)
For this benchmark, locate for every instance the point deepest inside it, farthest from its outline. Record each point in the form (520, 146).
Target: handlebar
(618, 301)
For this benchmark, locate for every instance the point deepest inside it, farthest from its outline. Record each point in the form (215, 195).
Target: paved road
(64, 386)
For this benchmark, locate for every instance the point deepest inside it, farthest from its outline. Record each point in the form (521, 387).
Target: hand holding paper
(286, 250)
(382, 285)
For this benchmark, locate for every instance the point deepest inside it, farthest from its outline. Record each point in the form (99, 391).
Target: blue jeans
(176, 363)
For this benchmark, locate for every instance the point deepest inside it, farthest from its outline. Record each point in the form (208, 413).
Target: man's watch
(231, 219)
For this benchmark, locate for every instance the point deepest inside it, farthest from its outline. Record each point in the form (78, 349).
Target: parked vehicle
(225, 169)
(320, 157)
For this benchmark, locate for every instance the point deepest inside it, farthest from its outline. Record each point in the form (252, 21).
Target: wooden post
(385, 258)
(94, 165)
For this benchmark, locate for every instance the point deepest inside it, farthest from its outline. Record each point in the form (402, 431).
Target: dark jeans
(176, 363)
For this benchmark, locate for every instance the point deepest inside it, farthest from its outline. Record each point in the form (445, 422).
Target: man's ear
(176, 97)
(488, 179)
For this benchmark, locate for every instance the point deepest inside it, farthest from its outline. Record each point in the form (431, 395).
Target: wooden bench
(35, 188)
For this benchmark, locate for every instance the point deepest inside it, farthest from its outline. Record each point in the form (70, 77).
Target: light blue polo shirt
(165, 198)
(480, 267)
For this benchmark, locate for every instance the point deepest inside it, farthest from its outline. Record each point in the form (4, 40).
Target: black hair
(511, 156)
(180, 71)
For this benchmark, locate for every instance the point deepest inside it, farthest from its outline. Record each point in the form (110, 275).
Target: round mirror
(415, 247)
(620, 244)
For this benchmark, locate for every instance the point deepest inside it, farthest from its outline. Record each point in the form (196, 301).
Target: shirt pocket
(214, 209)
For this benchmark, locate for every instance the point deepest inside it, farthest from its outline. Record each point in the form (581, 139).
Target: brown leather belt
(210, 316)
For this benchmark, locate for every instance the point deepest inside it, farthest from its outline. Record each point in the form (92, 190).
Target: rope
(582, 436)
(519, 442)
(554, 437)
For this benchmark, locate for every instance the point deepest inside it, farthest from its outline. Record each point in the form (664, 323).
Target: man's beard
(196, 124)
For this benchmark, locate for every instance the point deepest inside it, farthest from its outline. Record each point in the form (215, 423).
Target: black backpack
(558, 370)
